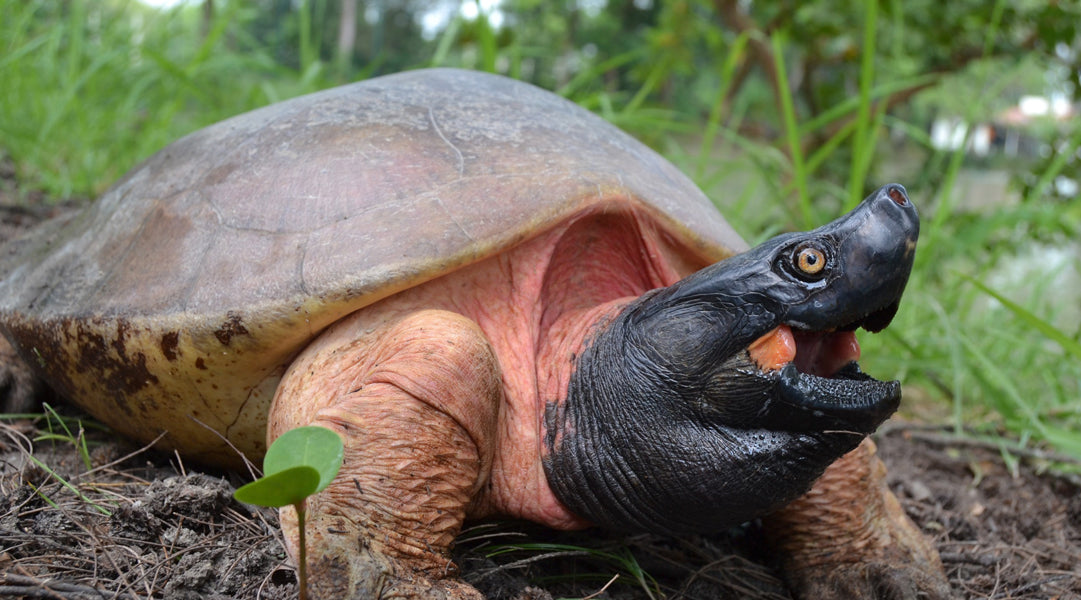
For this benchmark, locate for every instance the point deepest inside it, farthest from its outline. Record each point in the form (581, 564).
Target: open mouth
(818, 383)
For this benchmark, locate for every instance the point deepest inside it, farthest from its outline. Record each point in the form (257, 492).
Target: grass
(92, 88)
(58, 429)
(620, 561)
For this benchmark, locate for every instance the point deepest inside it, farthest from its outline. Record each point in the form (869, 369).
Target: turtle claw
(849, 537)
(877, 580)
(362, 575)
(368, 575)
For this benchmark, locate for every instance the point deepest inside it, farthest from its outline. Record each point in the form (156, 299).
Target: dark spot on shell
(121, 333)
(123, 374)
(169, 343)
(72, 352)
(233, 326)
(200, 363)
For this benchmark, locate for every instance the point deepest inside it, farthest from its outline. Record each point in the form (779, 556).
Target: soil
(103, 519)
(140, 524)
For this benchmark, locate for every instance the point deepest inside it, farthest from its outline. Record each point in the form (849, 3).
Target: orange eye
(810, 261)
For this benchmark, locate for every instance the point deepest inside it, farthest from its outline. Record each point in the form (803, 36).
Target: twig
(602, 590)
(928, 435)
(532, 559)
(113, 463)
(1035, 585)
(252, 469)
(21, 585)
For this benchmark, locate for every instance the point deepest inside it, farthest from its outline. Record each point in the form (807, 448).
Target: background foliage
(785, 112)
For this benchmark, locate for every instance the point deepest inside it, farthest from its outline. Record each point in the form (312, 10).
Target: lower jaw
(847, 401)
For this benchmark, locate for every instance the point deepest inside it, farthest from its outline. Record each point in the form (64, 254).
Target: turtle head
(727, 394)
(773, 328)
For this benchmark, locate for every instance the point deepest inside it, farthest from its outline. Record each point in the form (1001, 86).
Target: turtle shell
(176, 301)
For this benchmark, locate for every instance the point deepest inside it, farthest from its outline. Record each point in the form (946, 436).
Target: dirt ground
(140, 524)
(116, 521)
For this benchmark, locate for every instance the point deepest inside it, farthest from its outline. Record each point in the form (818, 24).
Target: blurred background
(786, 113)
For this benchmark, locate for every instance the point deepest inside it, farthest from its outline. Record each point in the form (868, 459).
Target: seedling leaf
(311, 446)
(288, 486)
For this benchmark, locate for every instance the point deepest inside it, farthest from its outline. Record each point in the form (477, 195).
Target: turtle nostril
(898, 196)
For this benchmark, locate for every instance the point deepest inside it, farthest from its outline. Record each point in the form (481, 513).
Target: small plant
(55, 424)
(301, 462)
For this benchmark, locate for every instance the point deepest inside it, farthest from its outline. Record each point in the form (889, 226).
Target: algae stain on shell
(232, 327)
(169, 343)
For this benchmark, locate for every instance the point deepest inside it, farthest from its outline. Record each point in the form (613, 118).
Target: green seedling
(301, 462)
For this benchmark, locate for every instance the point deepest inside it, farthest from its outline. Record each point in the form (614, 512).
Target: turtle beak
(818, 382)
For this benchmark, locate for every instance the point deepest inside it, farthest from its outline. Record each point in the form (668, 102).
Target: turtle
(504, 305)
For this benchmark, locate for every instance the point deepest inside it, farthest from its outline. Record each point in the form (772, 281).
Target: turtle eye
(809, 261)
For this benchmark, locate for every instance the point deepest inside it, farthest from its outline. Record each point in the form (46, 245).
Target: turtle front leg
(415, 402)
(848, 537)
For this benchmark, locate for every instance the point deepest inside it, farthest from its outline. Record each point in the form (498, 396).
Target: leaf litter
(1004, 530)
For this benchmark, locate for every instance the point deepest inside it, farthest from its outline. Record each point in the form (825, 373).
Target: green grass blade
(78, 493)
(489, 52)
(735, 56)
(1069, 345)
(446, 40)
(584, 77)
(862, 146)
(795, 148)
(1061, 160)
(852, 105)
(660, 70)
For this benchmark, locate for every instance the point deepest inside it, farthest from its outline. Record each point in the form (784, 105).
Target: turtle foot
(878, 580)
(849, 537)
(368, 575)
(20, 389)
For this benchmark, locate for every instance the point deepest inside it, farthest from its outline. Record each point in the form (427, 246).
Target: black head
(817, 287)
(695, 428)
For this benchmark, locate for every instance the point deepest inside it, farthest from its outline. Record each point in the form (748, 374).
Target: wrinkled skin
(458, 399)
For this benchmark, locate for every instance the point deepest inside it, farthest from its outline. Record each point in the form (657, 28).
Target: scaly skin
(415, 402)
(848, 537)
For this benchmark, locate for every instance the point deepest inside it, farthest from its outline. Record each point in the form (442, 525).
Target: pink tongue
(823, 354)
(773, 350)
